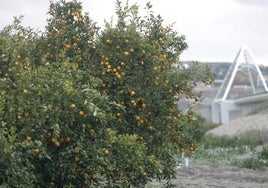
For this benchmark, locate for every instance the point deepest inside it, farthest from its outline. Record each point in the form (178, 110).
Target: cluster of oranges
(78, 15)
(116, 70)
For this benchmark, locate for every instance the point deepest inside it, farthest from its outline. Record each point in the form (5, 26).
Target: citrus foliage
(138, 63)
(71, 32)
(80, 109)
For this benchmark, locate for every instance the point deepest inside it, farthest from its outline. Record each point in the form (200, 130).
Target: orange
(126, 53)
(76, 159)
(25, 91)
(57, 144)
(81, 113)
(37, 150)
(143, 105)
(93, 176)
(109, 41)
(28, 144)
(19, 117)
(106, 152)
(73, 106)
(137, 118)
(68, 47)
(26, 114)
(67, 139)
(132, 93)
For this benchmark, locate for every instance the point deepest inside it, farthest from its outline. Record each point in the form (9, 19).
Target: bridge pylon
(243, 79)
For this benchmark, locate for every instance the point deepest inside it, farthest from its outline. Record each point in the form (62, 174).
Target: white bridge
(242, 89)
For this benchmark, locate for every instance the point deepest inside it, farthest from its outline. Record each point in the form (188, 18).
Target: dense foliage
(84, 108)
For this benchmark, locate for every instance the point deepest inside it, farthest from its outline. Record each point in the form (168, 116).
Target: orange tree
(57, 89)
(137, 59)
(56, 126)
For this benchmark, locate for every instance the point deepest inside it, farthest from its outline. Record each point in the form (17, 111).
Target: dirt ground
(223, 176)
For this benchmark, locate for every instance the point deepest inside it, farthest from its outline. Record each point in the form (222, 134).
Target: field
(236, 161)
(204, 175)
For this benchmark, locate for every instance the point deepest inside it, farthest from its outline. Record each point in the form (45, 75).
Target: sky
(214, 29)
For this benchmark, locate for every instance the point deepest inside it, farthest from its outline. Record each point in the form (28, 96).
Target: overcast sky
(214, 29)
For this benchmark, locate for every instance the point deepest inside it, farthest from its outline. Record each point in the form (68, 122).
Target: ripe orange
(28, 144)
(106, 152)
(93, 176)
(19, 117)
(68, 47)
(109, 41)
(75, 44)
(29, 138)
(144, 174)
(25, 91)
(118, 76)
(26, 114)
(126, 53)
(81, 113)
(191, 149)
(57, 144)
(73, 106)
(132, 93)
(143, 105)
(37, 150)
(52, 184)
(67, 139)
(137, 118)
(76, 159)
(161, 28)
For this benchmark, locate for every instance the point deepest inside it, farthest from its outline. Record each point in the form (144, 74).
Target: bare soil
(222, 176)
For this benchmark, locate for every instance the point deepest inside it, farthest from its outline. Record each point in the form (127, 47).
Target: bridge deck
(250, 99)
